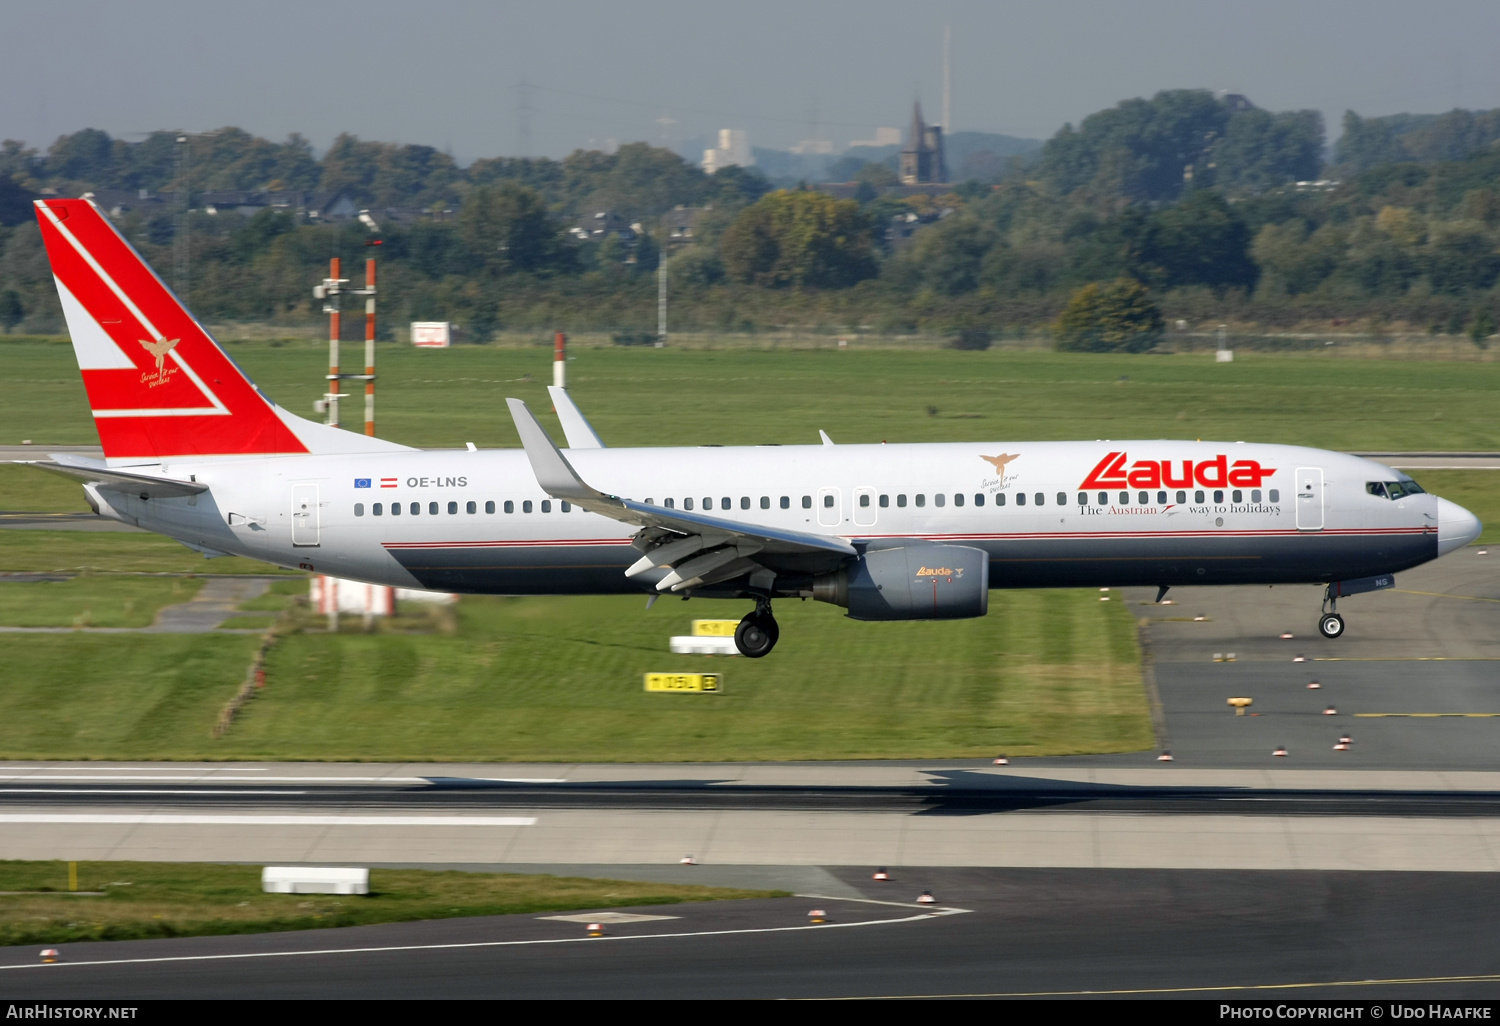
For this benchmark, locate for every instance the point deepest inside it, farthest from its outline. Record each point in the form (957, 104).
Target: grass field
(187, 899)
(1046, 673)
(1049, 672)
(92, 601)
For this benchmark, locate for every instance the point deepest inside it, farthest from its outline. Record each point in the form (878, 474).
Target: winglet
(576, 427)
(552, 469)
(824, 435)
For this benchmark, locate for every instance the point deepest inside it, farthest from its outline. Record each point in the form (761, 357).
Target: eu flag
(361, 482)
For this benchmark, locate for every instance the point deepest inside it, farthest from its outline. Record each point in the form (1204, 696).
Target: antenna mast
(947, 81)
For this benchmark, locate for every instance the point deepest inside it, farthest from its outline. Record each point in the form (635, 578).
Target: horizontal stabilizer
(98, 473)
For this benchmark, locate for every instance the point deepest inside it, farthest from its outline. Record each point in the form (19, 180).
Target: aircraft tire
(1330, 625)
(756, 635)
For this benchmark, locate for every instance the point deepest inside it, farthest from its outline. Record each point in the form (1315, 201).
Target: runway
(1227, 872)
(998, 933)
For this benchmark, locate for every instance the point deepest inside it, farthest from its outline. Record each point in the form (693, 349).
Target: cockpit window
(1394, 489)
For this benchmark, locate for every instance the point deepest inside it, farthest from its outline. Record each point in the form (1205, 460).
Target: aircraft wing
(97, 472)
(697, 548)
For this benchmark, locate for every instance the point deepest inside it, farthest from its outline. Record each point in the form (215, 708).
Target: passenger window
(1041, 500)
(489, 506)
(1083, 498)
(1255, 495)
(471, 507)
(1124, 498)
(510, 507)
(670, 503)
(1000, 499)
(432, 508)
(1275, 495)
(786, 502)
(1062, 498)
(724, 503)
(864, 501)
(452, 508)
(1104, 498)
(921, 500)
(526, 506)
(979, 498)
(1198, 496)
(744, 502)
(1161, 498)
(565, 506)
(1020, 498)
(885, 501)
(807, 502)
(708, 503)
(546, 505)
(958, 498)
(1181, 498)
(900, 499)
(939, 500)
(377, 509)
(1218, 495)
(1143, 498)
(1236, 496)
(687, 503)
(765, 502)
(359, 509)
(828, 502)
(415, 508)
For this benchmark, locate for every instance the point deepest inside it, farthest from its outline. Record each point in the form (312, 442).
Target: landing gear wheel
(1330, 625)
(756, 635)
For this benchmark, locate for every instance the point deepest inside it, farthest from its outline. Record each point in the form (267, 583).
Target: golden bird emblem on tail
(159, 349)
(1000, 461)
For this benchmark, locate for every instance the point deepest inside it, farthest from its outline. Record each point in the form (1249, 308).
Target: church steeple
(922, 156)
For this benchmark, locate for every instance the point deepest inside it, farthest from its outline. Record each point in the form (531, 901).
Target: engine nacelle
(915, 581)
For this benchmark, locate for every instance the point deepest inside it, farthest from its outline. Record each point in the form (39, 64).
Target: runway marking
(1439, 594)
(929, 912)
(136, 790)
(206, 775)
(1406, 659)
(145, 769)
(1476, 978)
(1428, 716)
(174, 819)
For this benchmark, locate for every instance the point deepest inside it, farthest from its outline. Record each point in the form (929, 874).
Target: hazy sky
(446, 72)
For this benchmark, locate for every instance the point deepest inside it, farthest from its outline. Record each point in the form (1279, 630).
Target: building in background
(922, 156)
(883, 137)
(733, 151)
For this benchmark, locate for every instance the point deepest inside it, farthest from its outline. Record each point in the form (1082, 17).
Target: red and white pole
(333, 348)
(370, 347)
(560, 361)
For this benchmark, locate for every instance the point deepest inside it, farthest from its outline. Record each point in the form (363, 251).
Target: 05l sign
(684, 682)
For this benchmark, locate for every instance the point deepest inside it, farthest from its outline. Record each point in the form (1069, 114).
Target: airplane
(195, 451)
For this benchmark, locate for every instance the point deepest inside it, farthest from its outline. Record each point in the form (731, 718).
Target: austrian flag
(388, 482)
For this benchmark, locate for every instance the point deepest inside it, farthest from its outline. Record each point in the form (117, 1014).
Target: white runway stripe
(173, 819)
(208, 775)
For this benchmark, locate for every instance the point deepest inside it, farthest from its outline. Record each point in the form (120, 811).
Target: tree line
(1211, 208)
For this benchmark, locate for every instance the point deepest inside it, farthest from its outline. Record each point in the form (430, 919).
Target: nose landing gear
(1330, 623)
(757, 633)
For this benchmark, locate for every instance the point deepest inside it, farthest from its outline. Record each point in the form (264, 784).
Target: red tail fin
(158, 384)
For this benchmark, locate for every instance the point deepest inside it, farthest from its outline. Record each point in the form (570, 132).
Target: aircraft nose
(1456, 526)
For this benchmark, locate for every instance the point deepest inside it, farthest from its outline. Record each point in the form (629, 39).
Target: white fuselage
(477, 521)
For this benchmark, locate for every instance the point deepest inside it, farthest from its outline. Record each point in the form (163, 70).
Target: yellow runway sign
(684, 682)
(714, 628)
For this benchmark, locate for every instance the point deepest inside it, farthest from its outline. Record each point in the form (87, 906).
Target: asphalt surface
(1020, 932)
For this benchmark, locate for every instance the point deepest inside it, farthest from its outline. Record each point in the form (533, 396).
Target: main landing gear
(1330, 623)
(757, 633)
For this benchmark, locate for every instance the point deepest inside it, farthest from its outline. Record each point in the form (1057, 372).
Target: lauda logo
(1218, 472)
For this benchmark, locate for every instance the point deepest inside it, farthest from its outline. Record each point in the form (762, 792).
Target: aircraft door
(864, 507)
(1309, 498)
(305, 518)
(830, 513)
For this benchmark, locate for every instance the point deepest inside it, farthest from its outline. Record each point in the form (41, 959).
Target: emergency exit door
(1309, 498)
(305, 521)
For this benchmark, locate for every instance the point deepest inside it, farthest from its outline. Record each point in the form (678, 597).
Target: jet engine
(917, 580)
